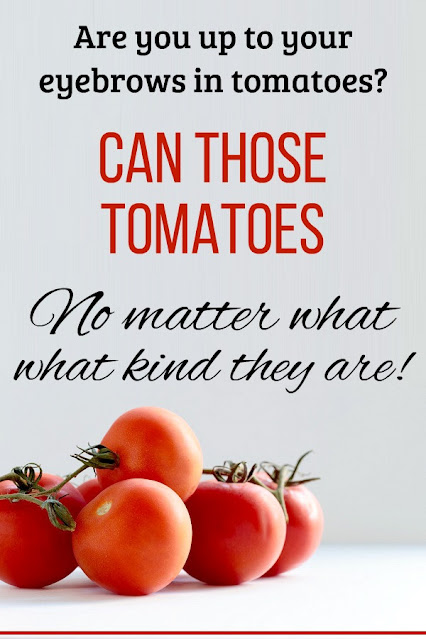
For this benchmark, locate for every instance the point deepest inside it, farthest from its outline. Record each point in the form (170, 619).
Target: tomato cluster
(147, 516)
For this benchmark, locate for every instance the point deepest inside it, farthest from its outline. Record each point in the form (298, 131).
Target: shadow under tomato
(183, 583)
(80, 589)
(186, 583)
(64, 592)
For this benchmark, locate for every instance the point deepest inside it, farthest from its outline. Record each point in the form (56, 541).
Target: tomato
(238, 532)
(33, 553)
(134, 537)
(89, 489)
(304, 528)
(154, 443)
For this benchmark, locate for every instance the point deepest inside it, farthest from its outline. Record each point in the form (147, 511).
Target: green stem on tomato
(278, 492)
(27, 482)
(12, 476)
(66, 479)
(282, 476)
(239, 473)
(22, 497)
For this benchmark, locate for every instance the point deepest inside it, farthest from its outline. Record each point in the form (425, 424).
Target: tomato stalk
(27, 479)
(278, 492)
(281, 476)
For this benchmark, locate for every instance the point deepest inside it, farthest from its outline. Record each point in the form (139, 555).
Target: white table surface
(341, 588)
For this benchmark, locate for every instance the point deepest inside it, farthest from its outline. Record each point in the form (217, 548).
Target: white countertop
(341, 588)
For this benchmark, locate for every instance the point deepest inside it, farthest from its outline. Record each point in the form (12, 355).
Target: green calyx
(282, 476)
(27, 480)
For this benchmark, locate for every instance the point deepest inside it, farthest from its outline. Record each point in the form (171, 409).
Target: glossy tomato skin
(89, 489)
(134, 537)
(238, 532)
(154, 443)
(304, 529)
(33, 553)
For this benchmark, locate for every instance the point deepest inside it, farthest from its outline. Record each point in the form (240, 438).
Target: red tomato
(133, 538)
(33, 553)
(304, 528)
(89, 489)
(154, 443)
(238, 532)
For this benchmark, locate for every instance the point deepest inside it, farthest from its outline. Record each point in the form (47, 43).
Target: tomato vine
(282, 476)
(27, 480)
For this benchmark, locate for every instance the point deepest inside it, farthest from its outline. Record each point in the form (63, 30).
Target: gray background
(368, 438)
